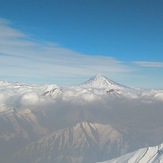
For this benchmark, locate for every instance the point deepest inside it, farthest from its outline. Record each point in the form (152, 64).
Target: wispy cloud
(149, 64)
(27, 60)
(22, 57)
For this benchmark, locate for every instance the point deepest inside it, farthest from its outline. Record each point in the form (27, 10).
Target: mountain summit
(100, 81)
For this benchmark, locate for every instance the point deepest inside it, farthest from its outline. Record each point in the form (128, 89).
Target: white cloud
(22, 58)
(30, 99)
(149, 64)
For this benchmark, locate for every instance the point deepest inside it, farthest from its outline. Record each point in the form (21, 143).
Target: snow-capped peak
(52, 90)
(100, 81)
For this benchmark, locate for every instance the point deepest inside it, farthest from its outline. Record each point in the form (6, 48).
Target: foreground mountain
(95, 121)
(81, 143)
(144, 155)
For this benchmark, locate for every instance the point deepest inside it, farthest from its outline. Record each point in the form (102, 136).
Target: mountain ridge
(78, 138)
(144, 155)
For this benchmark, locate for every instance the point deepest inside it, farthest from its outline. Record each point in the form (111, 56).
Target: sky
(68, 41)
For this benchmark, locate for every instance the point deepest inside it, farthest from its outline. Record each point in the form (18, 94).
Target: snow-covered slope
(100, 81)
(144, 155)
(100, 84)
(52, 91)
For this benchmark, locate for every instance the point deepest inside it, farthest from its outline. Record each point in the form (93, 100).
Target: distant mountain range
(92, 122)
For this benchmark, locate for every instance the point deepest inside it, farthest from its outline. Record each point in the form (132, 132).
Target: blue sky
(67, 41)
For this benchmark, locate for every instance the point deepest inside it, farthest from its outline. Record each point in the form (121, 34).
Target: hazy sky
(67, 41)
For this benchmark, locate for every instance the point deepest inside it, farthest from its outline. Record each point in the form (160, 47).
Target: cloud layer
(150, 64)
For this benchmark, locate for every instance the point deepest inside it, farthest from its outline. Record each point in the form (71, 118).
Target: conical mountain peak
(100, 81)
(99, 77)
